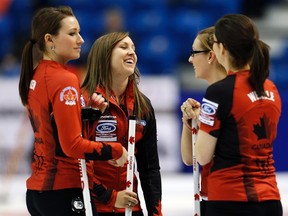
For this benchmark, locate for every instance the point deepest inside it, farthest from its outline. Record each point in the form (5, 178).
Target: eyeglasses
(193, 52)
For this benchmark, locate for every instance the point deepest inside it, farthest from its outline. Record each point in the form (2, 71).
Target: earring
(209, 62)
(52, 48)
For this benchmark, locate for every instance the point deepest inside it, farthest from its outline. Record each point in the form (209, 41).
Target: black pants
(229, 208)
(139, 213)
(203, 207)
(66, 202)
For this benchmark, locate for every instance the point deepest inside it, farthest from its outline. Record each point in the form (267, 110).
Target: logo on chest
(106, 130)
(106, 127)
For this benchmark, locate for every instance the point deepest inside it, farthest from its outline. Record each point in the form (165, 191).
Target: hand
(126, 199)
(98, 101)
(190, 110)
(120, 161)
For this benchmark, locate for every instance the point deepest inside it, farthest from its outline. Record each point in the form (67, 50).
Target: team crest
(69, 95)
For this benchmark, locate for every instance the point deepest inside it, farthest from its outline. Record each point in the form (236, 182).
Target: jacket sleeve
(149, 168)
(103, 194)
(66, 114)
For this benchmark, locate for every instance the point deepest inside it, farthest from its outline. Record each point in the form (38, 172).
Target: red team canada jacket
(245, 125)
(54, 95)
(113, 127)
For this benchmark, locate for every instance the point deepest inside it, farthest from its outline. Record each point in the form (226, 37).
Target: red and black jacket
(55, 113)
(113, 126)
(245, 126)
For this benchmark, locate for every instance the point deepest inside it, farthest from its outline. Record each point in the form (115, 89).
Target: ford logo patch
(106, 127)
(208, 109)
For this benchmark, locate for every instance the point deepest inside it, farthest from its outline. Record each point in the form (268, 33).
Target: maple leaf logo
(131, 140)
(69, 96)
(194, 130)
(128, 184)
(260, 128)
(196, 196)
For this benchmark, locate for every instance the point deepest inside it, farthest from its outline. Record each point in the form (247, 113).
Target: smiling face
(124, 58)
(200, 60)
(67, 43)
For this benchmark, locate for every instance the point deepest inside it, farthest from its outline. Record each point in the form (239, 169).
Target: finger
(193, 103)
(93, 100)
(131, 194)
(187, 106)
(97, 101)
(113, 163)
(103, 106)
(99, 98)
(189, 114)
(183, 108)
(121, 162)
(130, 204)
(133, 201)
(94, 96)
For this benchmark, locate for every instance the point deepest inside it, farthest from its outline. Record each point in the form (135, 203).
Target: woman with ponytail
(50, 92)
(238, 124)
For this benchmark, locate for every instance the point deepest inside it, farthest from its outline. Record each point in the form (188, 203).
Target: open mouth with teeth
(129, 61)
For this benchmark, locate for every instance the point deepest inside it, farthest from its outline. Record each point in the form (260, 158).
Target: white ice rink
(177, 195)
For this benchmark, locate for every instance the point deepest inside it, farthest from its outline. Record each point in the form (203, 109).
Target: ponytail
(259, 68)
(46, 20)
(26, 71)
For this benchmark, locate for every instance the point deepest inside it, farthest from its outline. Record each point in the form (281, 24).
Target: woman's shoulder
(60, 72)
(221, 85)
(222, 89)
(58, 76)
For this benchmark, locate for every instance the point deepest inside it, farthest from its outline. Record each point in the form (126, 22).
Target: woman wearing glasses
(206, 67)
(239, 117)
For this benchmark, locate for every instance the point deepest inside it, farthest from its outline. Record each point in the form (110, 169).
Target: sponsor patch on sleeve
(32, 84)
(82, 101)
(69, 95)
(208, 112)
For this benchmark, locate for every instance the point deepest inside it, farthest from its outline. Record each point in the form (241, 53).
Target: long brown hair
(239, 35)
(99, 72)
(46, 20)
